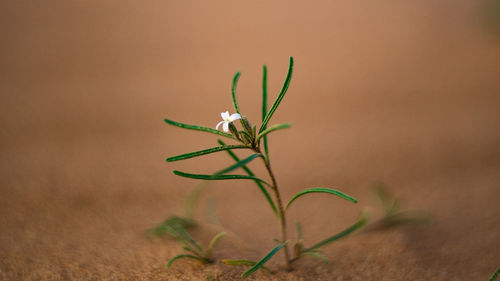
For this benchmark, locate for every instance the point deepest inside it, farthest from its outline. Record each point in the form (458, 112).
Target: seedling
(255, 139)
(171, 223)
(194, 250)
(392, 215)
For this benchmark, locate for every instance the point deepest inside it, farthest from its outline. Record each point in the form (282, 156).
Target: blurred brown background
(407, 92)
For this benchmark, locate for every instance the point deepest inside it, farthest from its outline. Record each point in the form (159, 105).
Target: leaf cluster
(163, 228)
(193, 249)
(249, 137)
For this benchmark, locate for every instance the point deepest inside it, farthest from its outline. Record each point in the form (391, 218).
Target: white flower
(226, 119)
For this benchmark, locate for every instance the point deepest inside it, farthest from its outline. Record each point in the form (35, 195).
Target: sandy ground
(406, 92)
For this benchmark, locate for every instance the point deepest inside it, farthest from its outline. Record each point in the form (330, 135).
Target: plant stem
(281, 211)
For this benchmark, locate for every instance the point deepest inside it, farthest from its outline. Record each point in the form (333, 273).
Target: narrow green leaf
(273, 128)
(263, 260)
(211, 212)
(495, 275)
(339, 235)
(317, 255)
(214, 241)
(187, 237)
(246, 134)
(298, 228)
(199, 128)
(161, 228)
(405, 217)
(280, 97)
(264, 106)
(393, 207)
(247, 127)
(266, 144)
(244, 262)
(184, 256)
(176, 235)
(264, 92)
(183, 238)
(187, 249)
(203, 152)
(218, 177)
(259, 184)
(238, 164)
(297, 249)
(322, 190)
(386, 198)
(233, 91)
(246, 138)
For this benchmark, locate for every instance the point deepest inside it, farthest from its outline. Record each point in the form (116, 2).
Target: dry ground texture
(407, 92)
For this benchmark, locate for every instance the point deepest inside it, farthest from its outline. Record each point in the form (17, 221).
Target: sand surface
(406, 92)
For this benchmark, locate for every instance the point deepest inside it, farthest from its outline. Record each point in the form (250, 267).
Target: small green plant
(193, 249)
(255, 139)
(392, 215)
(171, 223)
(187, 221)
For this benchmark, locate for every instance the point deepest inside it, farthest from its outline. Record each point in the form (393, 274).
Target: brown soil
(406, 92)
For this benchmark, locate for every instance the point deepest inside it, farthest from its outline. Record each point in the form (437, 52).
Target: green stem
(281, 211)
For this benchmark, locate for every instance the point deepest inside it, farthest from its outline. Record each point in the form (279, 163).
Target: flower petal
(235, 116)
(218, 124)
(224, 115)
(225, 127)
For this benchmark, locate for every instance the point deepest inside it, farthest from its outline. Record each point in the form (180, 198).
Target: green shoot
(244, 262)
(280, 97)
(233, 91)
(184, 256)
(392, 215)
(212, 243)
(298, 229)
(389, 204)
(260, 263)
(253, 138)
(272, 129)
(186, 237)
(298, 247)
(195, 250)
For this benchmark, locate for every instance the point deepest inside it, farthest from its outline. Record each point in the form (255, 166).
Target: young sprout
(255, 139)
(164, 228)
(392, 215)
(194, 250)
